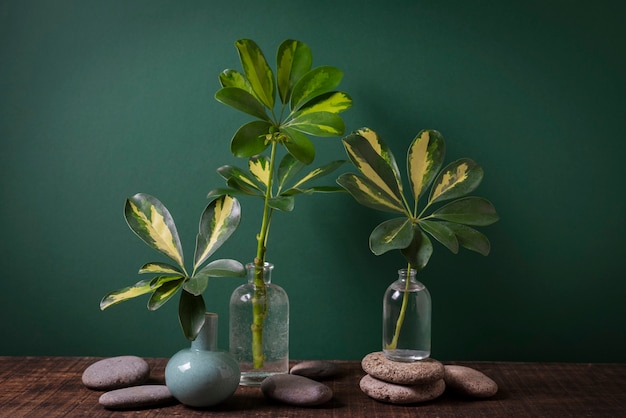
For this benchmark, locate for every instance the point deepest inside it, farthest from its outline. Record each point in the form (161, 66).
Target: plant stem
(259, 300)
(405, 301)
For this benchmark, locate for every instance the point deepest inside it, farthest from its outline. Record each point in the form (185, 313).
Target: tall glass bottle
(406, 319)
(272, 306)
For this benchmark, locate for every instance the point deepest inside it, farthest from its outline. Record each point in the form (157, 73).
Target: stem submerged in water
(400, 321)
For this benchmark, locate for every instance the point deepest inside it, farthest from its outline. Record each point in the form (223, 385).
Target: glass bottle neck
(404, 274)
(266, 272)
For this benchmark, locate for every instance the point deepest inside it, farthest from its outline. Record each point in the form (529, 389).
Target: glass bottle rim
(266, 266)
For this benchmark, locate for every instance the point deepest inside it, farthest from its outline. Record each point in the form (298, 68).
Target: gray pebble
(296, 390)
(416, 373)
(116, 372)
(400, 394)
(470, 382)
(316, 369)
(137, 397)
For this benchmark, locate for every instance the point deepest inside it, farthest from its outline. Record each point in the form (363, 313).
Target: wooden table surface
(52, 387)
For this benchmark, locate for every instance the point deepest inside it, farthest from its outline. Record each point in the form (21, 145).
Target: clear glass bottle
(273, 309)
(406, 319)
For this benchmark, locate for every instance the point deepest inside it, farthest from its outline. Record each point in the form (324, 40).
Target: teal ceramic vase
(202, 375)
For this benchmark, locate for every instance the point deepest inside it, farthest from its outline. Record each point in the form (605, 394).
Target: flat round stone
(417, 373)
(316, 369)
(296, 390)
(400, 394)
(470, 382)
(116, 372)
(135, 397)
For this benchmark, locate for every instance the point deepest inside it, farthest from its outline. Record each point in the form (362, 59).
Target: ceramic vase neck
(207, 338)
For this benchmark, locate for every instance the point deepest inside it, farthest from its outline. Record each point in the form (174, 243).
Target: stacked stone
(401, 383)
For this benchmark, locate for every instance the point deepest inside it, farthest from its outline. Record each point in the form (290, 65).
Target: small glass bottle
(406, 319)
(272, 307)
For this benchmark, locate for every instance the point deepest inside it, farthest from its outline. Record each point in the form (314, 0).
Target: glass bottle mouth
(266, 266)
(403, 272)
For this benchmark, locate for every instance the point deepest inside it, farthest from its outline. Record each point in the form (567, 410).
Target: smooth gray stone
(400, 394)
(470, 382)
(419, 372)
(116, 373)
(296, 390)
(316, 369)
(137, 397)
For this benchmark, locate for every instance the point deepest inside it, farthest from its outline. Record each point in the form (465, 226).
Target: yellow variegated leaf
(457, 179)
(152, 222)
(140, 288)
(424, 160)
(217, 223)
(333, 102)
(164, 293)
(259, 166)
(369, 194)
(257, 71)
(160, 268)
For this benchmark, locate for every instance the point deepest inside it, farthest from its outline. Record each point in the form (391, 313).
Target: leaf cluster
(380, 187)
(152, 222)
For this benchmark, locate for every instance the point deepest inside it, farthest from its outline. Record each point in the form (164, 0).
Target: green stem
(400, 321)
(259, 300)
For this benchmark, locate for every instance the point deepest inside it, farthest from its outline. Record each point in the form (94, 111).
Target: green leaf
(241, 188)
(233, 78)
(323, 124)
(242, 100)
(191, 309)
(140, 288)
(372, 157)
(419, 251)
(282, 203)
(369, 194)
(332, 102)
(469, 210)
(259, 166)
(299, 145)
(150, 220)
(320, 172)
(249, 139)
(217, 223)
(441, 233)
(160, 268)
(288, 168)
(318, 81)
(294, 59)
(164, 293)
(470, 238)
(394, 234)
(455, 180)
(229, 172)
(315, 189)
(257, 71)
(221, 191)
(222, 268)
(424, 159)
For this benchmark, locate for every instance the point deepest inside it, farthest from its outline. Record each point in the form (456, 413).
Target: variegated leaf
(250, 139)
(470, 238)
(370, 194)
(424, 159)
(150, 220)
(191, 309)
(140, 288)
(288, 168)
(242, 100)
(257, 71)
(469, 211)
(319, 124)
(320, 172)
(299, 145)
(161, 280)
(259, 166)
(294, 59)
(217, 223)
(455, 180)
(441, 233)
(233, 78)
(318, 81)
(419, 251)
(333, 102)
(394, 234)
(164, 293)
(372, 157)
(160, 268)
(232, 172)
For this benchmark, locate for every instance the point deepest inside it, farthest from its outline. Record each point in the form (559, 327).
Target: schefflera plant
(151, 221)
(307, 104)
(379, 186)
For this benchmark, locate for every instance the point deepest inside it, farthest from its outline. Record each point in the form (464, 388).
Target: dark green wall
(103, 99)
